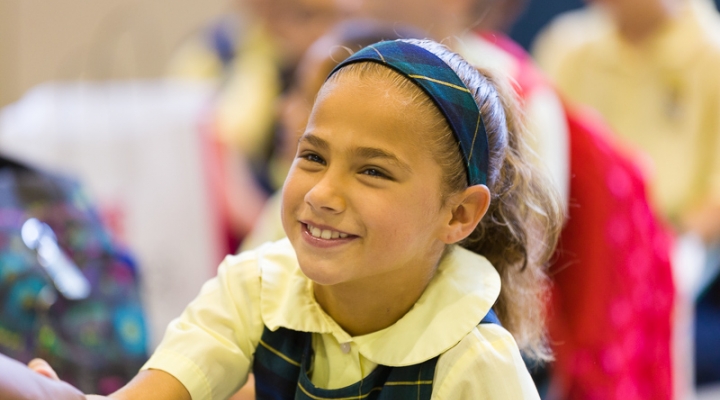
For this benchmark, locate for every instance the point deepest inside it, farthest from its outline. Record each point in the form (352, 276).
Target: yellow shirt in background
(244, 109)
(662, 96)
(210, 347)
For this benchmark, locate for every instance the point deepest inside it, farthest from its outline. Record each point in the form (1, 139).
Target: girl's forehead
(376, 93)
(370, 108)
(374, 83)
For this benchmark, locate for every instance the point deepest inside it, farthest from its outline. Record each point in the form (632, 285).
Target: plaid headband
(445, 88)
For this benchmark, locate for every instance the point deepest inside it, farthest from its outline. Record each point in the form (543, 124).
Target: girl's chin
(322, 276)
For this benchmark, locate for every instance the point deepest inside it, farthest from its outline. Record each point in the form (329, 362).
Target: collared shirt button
(345, 347)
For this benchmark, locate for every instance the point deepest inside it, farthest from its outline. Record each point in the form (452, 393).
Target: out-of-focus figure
(567, 32)
(650, 68)
(654, 78)
(252, 54)
(610, 324)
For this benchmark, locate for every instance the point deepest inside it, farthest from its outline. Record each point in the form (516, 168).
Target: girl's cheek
(297, 184)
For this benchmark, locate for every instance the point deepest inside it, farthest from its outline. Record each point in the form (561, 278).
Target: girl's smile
(324, 237)
(363, 197)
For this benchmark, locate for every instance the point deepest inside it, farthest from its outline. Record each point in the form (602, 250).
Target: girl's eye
(312, 157)
(375, 173)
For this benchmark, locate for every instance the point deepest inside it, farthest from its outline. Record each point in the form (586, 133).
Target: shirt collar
(460, 294)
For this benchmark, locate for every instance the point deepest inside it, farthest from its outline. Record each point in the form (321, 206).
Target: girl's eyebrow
(315, 141)
(373, 152)
(363, 152)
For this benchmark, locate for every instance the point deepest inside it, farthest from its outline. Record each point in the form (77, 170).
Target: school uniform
(211, 347)
(661, 97)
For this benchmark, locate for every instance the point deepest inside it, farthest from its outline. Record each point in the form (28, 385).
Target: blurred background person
(654, 79)
(651, 71)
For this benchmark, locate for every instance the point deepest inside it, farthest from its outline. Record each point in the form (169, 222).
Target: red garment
(613, 294)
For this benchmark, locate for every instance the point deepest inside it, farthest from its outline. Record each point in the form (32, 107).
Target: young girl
(408, 203)
(319, 60)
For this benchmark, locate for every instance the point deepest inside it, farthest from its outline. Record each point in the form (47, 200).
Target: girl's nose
(326, 195)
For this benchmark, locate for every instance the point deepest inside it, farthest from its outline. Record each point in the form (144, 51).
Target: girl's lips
(324, 238)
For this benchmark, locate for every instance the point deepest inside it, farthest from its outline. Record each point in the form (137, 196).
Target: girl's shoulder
(285, 296)
(485, 364)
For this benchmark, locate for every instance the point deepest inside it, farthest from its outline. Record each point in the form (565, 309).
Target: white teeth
(325, 233)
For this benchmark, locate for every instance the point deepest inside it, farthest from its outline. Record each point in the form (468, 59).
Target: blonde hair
(519, 232)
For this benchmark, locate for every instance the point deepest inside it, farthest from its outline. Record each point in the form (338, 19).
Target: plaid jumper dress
(284, 357)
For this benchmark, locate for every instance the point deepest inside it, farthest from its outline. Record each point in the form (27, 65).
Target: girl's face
(362, 200)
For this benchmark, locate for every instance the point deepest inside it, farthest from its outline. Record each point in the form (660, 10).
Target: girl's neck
(371, 304)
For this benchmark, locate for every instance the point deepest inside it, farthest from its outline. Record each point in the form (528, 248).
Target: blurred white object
(688, 263)
(63, 272)
(136, 147)
(709, 393)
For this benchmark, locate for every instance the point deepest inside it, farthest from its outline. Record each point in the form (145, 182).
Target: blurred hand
(43, 368)
(35, 382)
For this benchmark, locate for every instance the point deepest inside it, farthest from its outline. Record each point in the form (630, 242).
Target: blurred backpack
(68, 294)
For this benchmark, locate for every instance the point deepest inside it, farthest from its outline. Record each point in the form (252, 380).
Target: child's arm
(148, 384)
(151, 385)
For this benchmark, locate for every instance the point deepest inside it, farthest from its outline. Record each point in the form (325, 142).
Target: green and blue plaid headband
(445, 88)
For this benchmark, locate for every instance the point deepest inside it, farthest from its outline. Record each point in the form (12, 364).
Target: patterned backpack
(68, 294)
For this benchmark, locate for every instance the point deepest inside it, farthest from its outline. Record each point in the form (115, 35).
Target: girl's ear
(467, 207)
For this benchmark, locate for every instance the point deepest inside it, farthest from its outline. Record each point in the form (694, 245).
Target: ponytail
(519, 232)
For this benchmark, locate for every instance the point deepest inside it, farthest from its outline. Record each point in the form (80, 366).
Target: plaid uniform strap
(284, 357)
(446, 90)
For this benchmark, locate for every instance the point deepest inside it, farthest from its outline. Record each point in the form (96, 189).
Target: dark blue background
(538, 14)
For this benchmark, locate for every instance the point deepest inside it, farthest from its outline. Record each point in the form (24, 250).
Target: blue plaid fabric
(445, 88)
(283, 360)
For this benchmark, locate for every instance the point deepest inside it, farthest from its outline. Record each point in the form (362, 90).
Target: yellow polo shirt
(663, 97)
(244, 107)
(210, 347)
